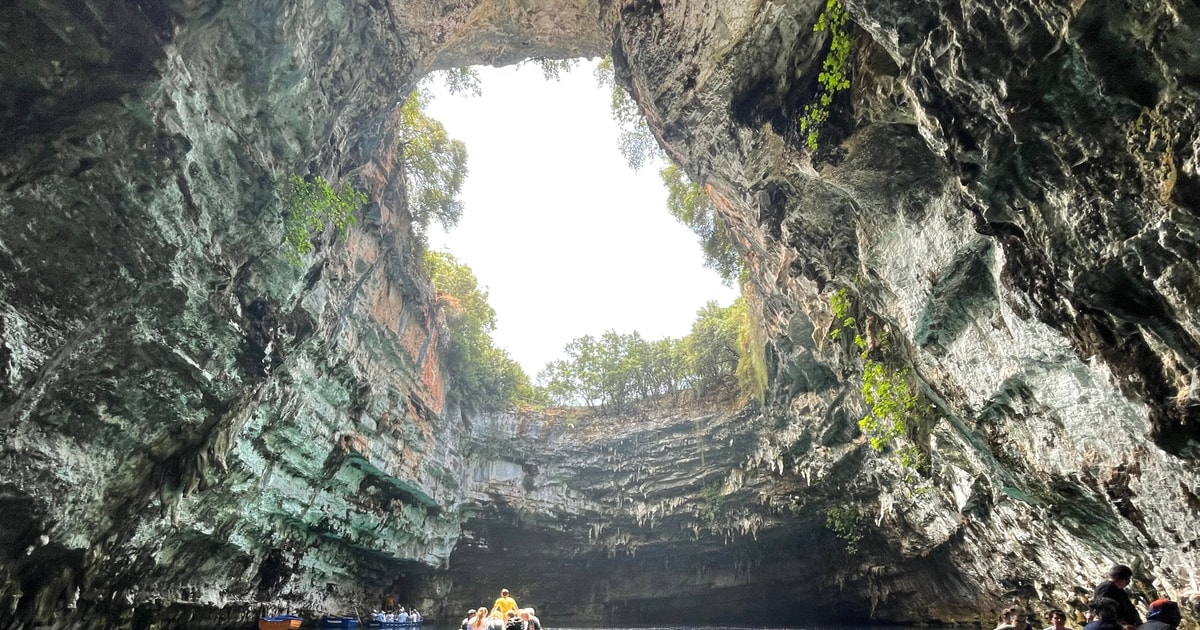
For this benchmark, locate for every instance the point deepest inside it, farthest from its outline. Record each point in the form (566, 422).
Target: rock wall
(1007, 194)
(195, 431)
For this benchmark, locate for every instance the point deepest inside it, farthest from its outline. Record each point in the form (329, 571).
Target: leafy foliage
(712, 346)
(833, 77)
(896, 417)
(711, 502)
(310, 204)
(891, 401)
(460, 81)
(617, 370)
(435, 167)
(553, 69)
(751, 371)
(848, 523)
(485, 376)
(687, 202)
(635, 140)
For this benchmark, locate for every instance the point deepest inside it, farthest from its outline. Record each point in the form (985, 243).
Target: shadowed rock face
(194, 431)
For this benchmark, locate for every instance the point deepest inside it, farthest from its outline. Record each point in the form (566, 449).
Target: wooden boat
(279, 622)
(383, 623)
(338, 623)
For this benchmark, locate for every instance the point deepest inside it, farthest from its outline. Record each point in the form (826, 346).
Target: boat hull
(281, 622)
(338, 623)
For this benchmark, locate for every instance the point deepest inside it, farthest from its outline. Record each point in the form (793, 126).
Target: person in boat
(503, 605)
(1058, 620)
(531, 622)
(1013, 618)
(415, 616)
(512, 621)
(1163, 615)
(466, 622)
(1113, 588)
(494, 622)
(481, 619)
(402, 616)
(1103, 612)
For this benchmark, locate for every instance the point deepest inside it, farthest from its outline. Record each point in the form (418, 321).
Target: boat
(338, 623)
(386, 620)
(379, 623)
(279, 622)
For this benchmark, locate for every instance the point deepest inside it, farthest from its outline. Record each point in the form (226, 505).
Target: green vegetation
(484, 376)
(553, 69)
(896, 419)
(751, 373)
(848, 523)
(312, 204)
(616, 370)
(435, 165)
(460, 80)
(688, 203)
(711, 503)
(635, 140)
(834, 70)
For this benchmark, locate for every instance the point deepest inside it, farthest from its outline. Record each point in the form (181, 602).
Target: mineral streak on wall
(195, 431)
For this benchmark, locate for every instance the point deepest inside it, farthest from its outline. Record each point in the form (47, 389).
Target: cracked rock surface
(194, 431)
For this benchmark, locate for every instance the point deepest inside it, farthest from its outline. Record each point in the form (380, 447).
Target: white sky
(566, 238)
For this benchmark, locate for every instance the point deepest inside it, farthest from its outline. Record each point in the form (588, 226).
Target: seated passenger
(1058, 620)
(480, 622)
(1104, 614)
(1164, 615)
(534, 622)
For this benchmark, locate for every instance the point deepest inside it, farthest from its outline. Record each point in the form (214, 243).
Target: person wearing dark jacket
(1114, 588)
(1102, 615)
(1164, 615)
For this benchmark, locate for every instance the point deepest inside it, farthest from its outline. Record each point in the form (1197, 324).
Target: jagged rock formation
(194, 431)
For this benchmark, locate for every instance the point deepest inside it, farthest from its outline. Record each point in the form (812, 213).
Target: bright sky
(566, 238)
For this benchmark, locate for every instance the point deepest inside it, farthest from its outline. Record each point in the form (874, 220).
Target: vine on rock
(896, 417)
(310, 204)
(848, 523)
(834, 73)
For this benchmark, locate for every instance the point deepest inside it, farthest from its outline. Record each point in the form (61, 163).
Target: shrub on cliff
(312, 204)
(435, 167)
(483, 376)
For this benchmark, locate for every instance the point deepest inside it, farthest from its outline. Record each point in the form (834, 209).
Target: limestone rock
(194, 431)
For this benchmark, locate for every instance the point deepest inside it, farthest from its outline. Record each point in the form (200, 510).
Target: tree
(435, 167)
(485, 376)
(688, 203)
(713, 346)
(635, 140)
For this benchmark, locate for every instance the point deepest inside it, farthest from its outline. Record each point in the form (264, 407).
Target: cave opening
(567, 238)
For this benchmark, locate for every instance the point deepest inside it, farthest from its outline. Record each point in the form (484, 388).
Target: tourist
(1114, 588)
(466, 622)
(503, 604)
(1058, 620)
(531, 621)
(1163, 615)
(512, 621)
(494, 622)
(1103, 614)
(1013, 618)
(481, 619)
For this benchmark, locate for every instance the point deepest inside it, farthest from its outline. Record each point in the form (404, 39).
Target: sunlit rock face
(192, 428)
(1010, 192)
(195, 431)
